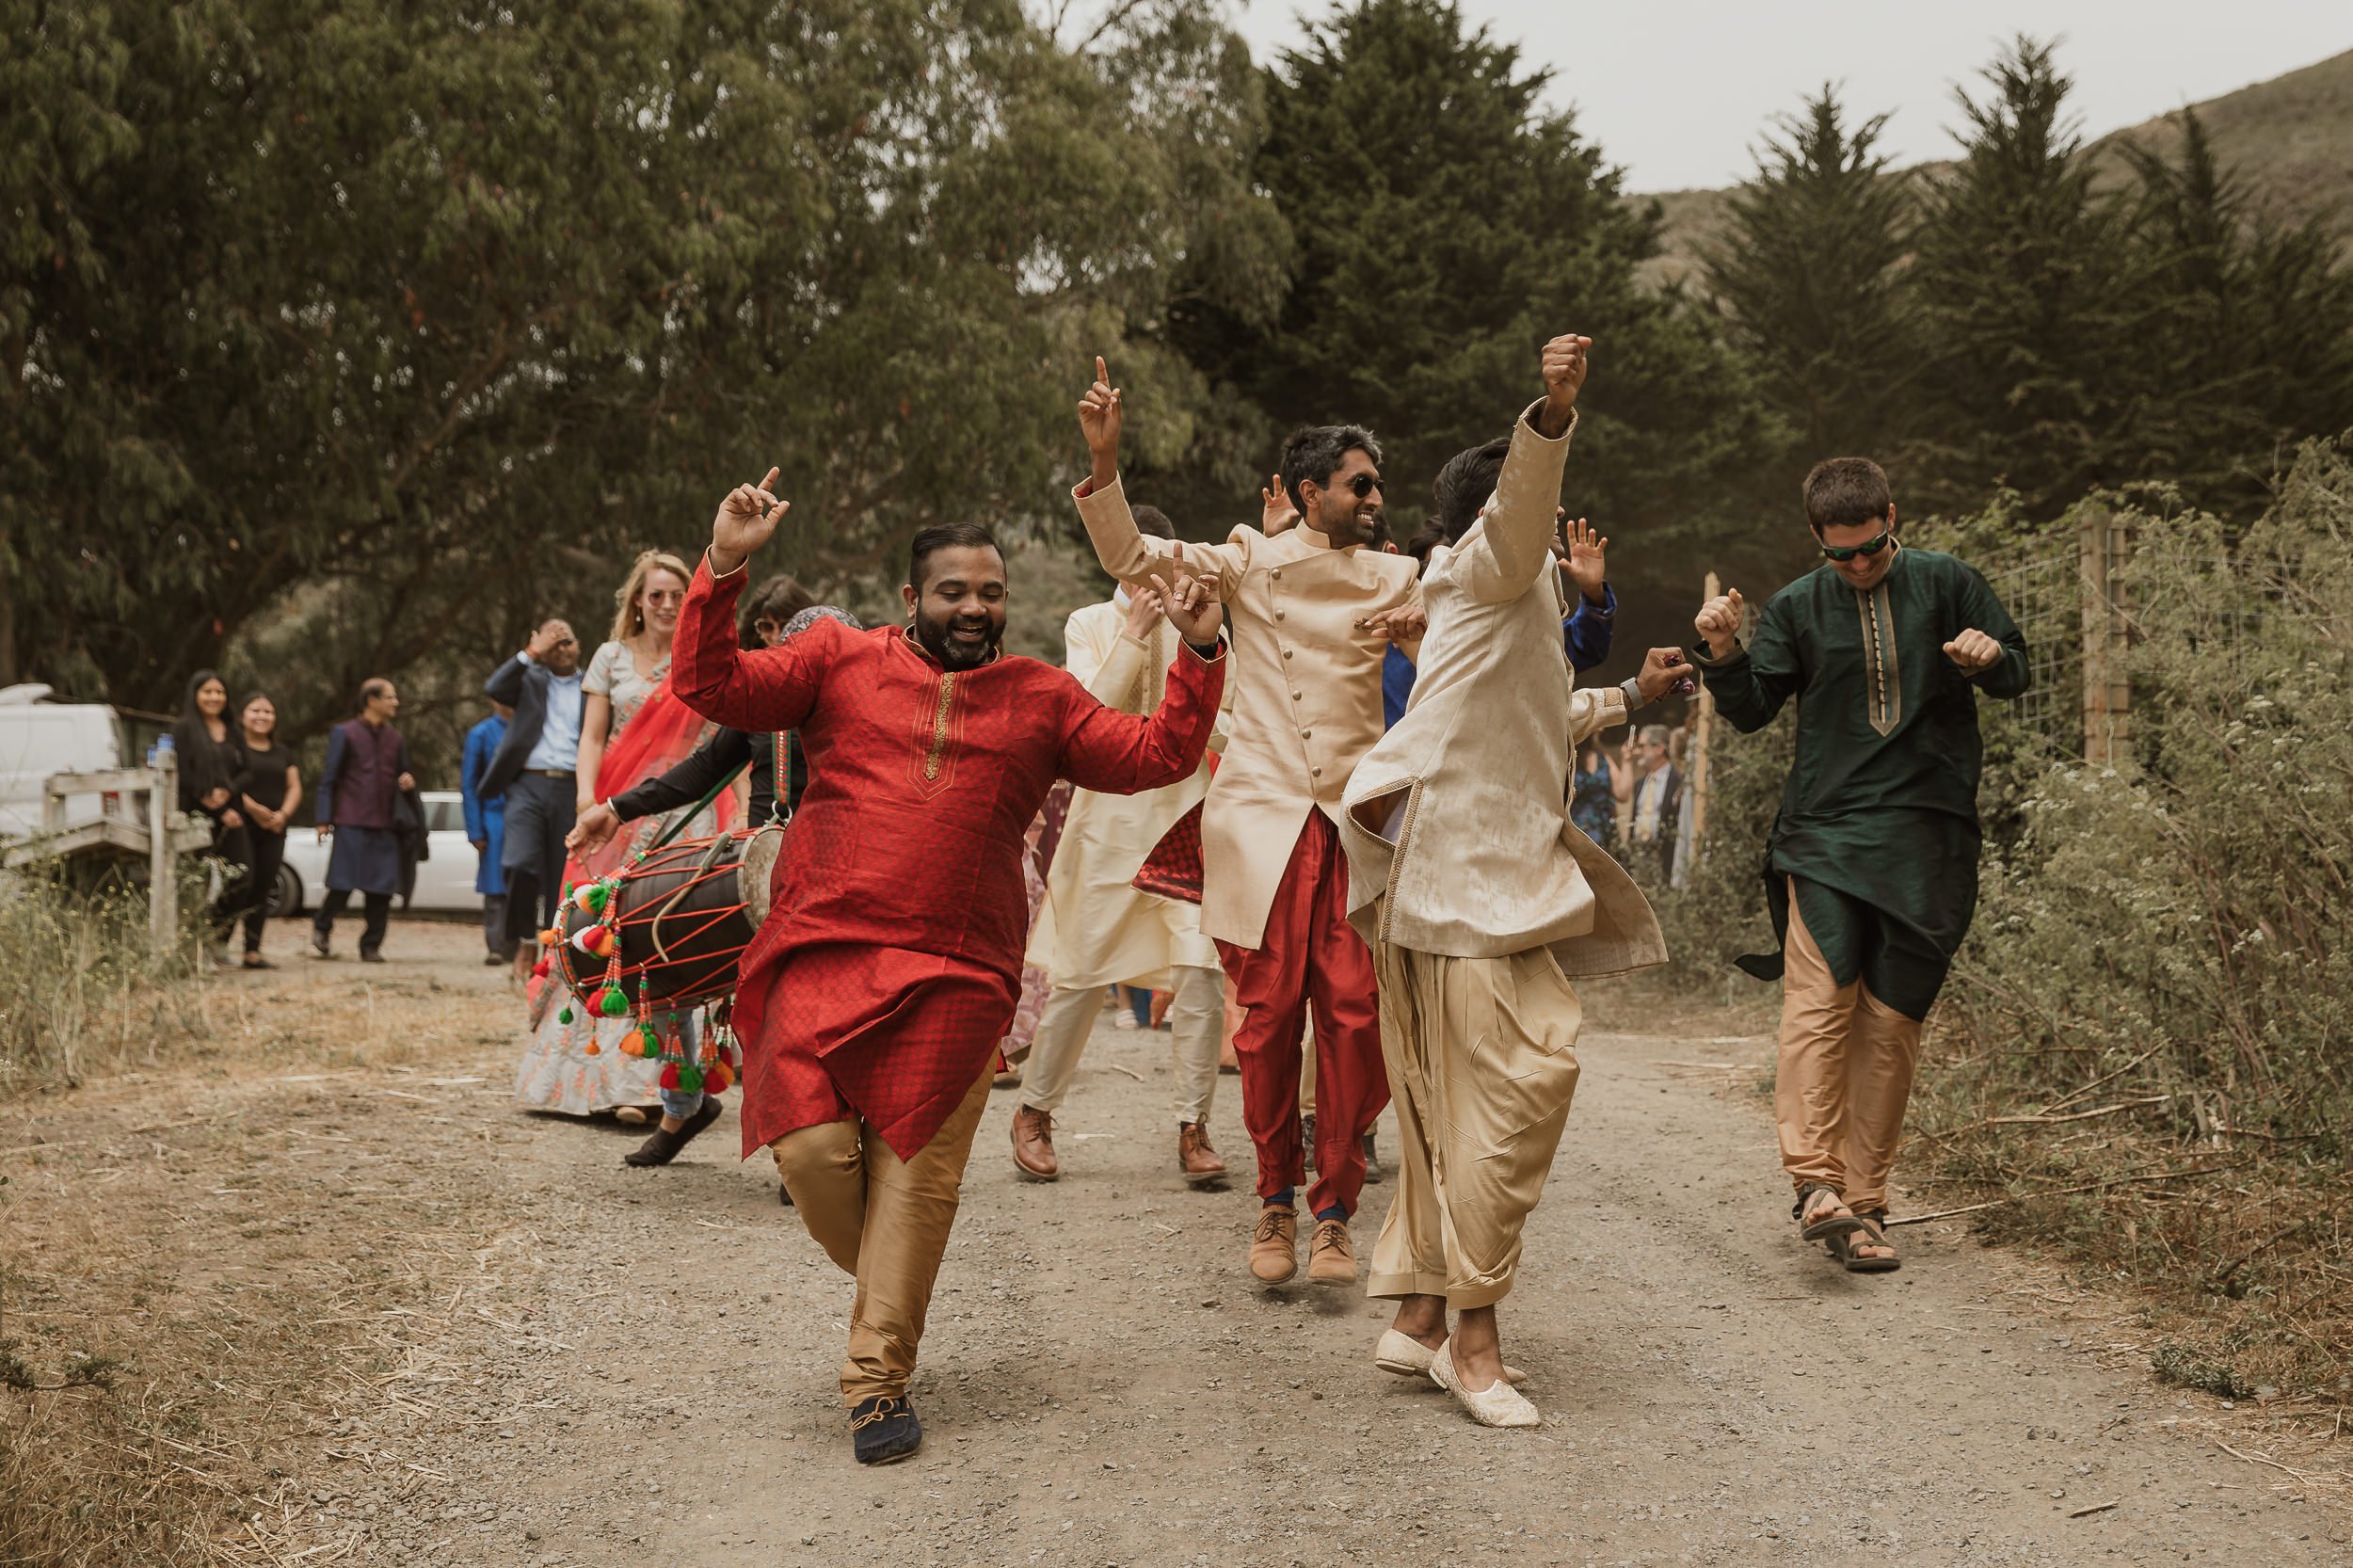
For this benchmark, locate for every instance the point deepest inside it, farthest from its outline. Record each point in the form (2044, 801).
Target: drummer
(781, 608)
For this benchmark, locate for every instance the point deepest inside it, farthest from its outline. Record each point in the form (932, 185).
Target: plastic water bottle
(163, 747)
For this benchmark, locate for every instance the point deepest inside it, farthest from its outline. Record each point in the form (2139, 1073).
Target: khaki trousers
(884, 1221)
(1481, 1054)
(1197, 1018)
(1846, 1061)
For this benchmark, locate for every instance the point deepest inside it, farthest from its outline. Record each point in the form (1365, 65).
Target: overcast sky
(1676, 92)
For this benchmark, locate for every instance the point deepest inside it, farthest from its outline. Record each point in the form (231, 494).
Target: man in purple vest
(367, 768)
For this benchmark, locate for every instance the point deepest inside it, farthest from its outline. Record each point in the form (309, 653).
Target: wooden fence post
(163, 860)
(2105, 546)
(1703, 726)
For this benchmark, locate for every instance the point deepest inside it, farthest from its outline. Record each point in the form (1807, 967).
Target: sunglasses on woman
(1868, 547)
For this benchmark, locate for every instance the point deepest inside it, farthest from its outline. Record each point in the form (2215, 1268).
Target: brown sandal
(1827, 1225)
(1870, 1233)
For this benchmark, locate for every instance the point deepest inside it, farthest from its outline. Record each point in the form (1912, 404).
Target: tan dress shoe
(1331, 1255)
(1274, 1244)
(1194, 1156)
(1033, 1144)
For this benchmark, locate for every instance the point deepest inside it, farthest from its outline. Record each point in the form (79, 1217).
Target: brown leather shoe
(1194, 1156)
(1331, 1255)
(1033, 1144)
(1274, 1244)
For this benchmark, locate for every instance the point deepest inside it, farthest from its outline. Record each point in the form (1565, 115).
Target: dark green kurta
(1878, 821)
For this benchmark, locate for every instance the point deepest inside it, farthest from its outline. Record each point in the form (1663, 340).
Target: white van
(38, 738)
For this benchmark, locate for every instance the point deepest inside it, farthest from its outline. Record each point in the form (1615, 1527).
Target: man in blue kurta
(1871, 868)
(485, 829)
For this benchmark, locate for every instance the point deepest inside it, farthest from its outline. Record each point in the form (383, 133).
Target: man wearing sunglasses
(1871, 870)
(1312, 613)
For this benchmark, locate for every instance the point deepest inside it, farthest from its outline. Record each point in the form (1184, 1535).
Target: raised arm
(771, 688)
(1514, 547)
(1123, 754)
(1108, 661)
(1125, 551)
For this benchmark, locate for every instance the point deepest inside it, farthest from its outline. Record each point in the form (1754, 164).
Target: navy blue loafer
(883, 1430)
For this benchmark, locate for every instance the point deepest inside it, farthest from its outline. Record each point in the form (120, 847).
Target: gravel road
(645, 1373)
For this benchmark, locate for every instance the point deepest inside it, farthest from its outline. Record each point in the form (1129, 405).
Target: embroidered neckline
(1883, 701)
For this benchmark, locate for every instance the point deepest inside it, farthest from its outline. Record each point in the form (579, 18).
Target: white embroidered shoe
(1402, 1355)
(1501, 1405)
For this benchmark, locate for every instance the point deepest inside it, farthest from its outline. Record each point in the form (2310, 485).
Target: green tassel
(564, 1017)
(690, 1080)
(612, 1003)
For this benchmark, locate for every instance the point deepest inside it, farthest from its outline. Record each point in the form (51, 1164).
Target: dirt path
(637, 1368)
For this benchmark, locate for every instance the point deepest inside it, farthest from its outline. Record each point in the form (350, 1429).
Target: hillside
(2290, 139)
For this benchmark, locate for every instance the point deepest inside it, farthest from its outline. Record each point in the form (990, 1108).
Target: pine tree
(1808, 273)
(2250, 347)
(1444, 223)
(2028, 306)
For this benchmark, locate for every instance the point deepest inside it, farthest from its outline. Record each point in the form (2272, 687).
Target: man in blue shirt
(534, 767)
(1585, 634)
(485, 829)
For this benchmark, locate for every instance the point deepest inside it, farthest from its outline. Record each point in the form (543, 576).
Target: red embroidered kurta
(890, 962)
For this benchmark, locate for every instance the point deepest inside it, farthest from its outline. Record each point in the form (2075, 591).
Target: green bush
(2180, 921)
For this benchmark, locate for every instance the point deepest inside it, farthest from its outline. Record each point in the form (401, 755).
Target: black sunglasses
(1364, 484)
(1868, 547)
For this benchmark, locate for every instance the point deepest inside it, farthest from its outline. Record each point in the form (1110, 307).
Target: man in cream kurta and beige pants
(1311, 613)
(1481, 898)
(1096, 929)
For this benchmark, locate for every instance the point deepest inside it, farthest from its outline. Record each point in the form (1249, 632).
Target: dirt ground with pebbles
(599, 1367)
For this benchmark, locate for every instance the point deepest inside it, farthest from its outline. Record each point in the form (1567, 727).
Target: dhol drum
(676, 920)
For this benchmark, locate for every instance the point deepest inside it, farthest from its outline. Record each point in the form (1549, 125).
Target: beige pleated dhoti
(883, 1221)
(1481, 1056)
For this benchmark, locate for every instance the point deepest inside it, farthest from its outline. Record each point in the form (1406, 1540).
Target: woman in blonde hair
(632, 729)
(634, 661)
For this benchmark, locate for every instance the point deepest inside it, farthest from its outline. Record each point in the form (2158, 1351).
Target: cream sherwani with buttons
(1305, 689)
(1482, 898)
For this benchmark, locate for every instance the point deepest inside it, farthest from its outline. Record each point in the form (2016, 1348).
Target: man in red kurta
(873, 998)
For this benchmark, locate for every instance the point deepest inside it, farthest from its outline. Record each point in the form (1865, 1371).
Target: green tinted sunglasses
(1868, 547)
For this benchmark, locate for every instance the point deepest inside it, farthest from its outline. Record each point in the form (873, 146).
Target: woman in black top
(209, 763)
(269, 789)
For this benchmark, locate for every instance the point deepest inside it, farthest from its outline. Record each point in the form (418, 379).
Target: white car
(444, 878)
(38, 738)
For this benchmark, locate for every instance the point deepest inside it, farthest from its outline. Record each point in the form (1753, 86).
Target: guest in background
(532, 774)
(485, 829)
(367, 768)
(209, 763)
(1657, 806)
(269, 791)
(1593, 801)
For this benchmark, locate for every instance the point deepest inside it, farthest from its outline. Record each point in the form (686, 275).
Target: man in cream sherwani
(1311, 613)
(1094, 929)
(1481, 900)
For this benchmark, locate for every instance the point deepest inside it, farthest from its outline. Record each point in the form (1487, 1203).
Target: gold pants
(884, 1221)
(1846, 1061)
(1481, 1054)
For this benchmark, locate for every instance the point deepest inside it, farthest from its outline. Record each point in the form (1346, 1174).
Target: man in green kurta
(1871, 868)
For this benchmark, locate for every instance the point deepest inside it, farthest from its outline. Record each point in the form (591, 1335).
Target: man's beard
(958, 654)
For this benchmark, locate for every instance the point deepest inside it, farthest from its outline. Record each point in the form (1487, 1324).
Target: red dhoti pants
(1309, 955)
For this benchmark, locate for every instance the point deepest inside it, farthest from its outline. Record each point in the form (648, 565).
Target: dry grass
(207, 1269)
(2237, 1246)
